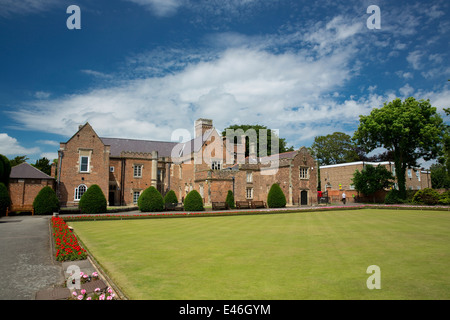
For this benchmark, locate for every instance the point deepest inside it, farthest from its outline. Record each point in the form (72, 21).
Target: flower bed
(66, 243)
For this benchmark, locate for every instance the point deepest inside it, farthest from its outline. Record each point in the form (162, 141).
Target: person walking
(343, 197)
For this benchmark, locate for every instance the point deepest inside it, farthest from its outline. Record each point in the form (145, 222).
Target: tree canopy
(334, 148)
(372, 179)
(282, 144)
(411, 129)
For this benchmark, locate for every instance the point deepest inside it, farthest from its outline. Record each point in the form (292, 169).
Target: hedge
(276, 197)
(46, 201)
(170, 197)
(5, 201)
(150, 200)
(193, 201)
(93, 201)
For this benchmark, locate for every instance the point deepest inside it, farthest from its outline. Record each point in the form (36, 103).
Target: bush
(230, 199)
(444, 198)
(93, 201)
(5, 201)
(426, 196)
(151, 200)
(46, 201)
(393, 197)
(193, 201)
(276, 197)
(170, 197)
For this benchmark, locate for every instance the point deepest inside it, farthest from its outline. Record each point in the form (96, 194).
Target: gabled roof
(27, 171)
(119, 145)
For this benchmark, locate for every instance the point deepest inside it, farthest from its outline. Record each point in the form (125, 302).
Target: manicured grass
(305, 255)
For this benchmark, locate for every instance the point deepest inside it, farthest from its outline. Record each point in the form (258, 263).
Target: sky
(144, 69)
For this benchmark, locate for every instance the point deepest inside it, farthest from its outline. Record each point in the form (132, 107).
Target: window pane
(84, 162)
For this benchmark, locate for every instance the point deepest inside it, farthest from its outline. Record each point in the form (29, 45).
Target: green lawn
(305, 255)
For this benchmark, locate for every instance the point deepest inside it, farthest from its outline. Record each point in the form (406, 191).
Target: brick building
(337, 178)
(25, 182)
(123, 168)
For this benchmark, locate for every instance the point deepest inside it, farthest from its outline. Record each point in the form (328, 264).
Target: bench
(174, 206)
(220, 206)
(258, 204)
(243, 205)
(16, 208)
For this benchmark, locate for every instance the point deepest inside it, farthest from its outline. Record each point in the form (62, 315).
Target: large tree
(411, 129)
(334, 148)
(372, 179)
(282, 145)
(44, 165)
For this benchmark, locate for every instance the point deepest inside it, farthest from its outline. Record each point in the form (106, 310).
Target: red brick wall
(23, 191)
(70, 175)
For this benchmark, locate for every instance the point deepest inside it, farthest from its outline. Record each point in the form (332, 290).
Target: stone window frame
(137, 170)
(249, 177)
(77, 196)
(247, 195)
(138, 193)
(216, 164)
(84, 153)
(302, 174)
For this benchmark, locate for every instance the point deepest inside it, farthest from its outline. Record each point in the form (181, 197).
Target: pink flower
(83, 291)
(97, 290)
(88, 298)
(80, 297)
(74, 293)
(102, 297)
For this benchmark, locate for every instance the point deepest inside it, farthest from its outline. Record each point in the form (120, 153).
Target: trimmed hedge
(193, 201)
(230, 199)
(151, 200)
(170, 197)
(5, 201)
(93, 201)
(46, 201)
(276, 197)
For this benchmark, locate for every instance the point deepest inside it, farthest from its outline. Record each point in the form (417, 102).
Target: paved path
(26, 262)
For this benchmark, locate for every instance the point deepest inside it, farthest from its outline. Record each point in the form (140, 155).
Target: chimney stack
(201, 126)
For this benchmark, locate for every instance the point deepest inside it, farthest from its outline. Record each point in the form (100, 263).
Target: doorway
(304, 198)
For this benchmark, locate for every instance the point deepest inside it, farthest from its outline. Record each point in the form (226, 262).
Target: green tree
(372, 179)
(44, 165)
(334, 148)
(93, 201)
(439, 176)
(5, 201)
(18, 160)
(261, 143)
(411, 129)
(151, 200)
(230, 199)
(193, 201)
(46, 201)
(5, 169)
(276, 197)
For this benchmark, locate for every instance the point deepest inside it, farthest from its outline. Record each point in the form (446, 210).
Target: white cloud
(160, 7)
(414, 58)
(49, 155)
(24, 7)
(10, 146)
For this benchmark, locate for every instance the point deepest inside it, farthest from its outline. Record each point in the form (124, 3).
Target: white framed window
(84, 164)
(137, 171)
(216, 165)
(304, 173)
(249, 193)
(111, 169)
(409, 173)
(79, 191)
(136, 195)
(418, 175)
(249, 177)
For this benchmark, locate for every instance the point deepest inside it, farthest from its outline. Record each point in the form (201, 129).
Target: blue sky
(145, 68)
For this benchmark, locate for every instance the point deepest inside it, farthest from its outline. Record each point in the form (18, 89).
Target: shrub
(393, 197)
(426, 196)
(193, 201)
(445, 198)
(170, 197)
(151, 200)
(276, 197)
(93, 201)
(5, 201)
(230, 199)
(46, 201)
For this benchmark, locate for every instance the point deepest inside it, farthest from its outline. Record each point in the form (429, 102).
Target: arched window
(79, 191)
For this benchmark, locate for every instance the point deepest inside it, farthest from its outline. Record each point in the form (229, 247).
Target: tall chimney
(201, 126)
